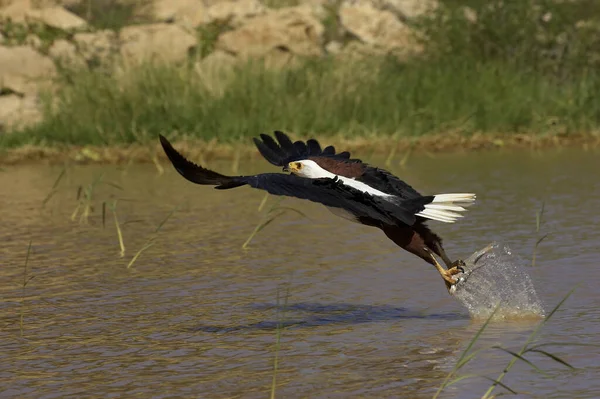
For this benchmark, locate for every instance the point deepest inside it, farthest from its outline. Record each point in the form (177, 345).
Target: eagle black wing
(287, 151)
(280, 154)
(329, 192)
(385, 181)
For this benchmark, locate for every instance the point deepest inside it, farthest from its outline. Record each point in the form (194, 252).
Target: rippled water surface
(196, 315)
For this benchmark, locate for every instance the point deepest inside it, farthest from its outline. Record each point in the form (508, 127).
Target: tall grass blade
(118, 227)
(525, 347)
(263, 202)
(503, 385)
(26, 279)
(150, 240)
(563, 344)
(156, 163)
(103, 214)
(138, 253)
(407, 155)
(538, 222)
(293, 210)
(538, 217)
(459, 379)
(53, 190)
(520, 357)
(259, 227)
(75, 212)
(390, 157)
(551, 356)
(277, 343)
(162, 223)
(280, 323)
(466, 356)
(274, 212)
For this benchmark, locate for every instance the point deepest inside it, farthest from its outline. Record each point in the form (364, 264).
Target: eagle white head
(307, 168)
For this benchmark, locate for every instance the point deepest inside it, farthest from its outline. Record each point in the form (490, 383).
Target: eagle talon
(447, 275)
(458, 265)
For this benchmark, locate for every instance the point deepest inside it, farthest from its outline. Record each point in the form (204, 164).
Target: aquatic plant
(467, 355)
(538, 221)
(274, 212)
(26, 279)
(113, 208)
(54, 188)
(279, 330)
(150, 241)
(528, 348)
(85, 198)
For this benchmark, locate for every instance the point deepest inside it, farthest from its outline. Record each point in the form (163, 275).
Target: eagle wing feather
(327, 191)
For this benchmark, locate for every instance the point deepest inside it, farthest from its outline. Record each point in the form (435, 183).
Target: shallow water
(196, 316)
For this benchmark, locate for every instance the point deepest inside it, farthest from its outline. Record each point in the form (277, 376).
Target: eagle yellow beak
(290, 167)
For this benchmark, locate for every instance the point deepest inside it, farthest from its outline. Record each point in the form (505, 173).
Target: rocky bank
(40, 38)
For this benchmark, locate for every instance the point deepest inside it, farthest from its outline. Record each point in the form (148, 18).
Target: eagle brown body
(417, 239)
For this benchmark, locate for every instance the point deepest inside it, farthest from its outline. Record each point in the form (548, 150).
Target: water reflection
(299, 315)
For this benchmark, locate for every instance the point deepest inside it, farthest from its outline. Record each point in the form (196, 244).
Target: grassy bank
(497, 79)
(323, 97)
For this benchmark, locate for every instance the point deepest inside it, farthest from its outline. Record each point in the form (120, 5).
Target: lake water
(196, 315)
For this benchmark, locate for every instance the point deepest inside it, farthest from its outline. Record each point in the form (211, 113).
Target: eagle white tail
(444, 207)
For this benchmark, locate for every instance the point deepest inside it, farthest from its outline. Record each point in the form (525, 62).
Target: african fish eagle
(350, 188)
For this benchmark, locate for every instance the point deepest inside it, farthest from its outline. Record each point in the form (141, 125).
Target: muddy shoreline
(363, 147)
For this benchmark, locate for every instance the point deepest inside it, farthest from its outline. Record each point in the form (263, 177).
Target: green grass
(111, 14)
(18, 34)
(512, 71)
(322, 97)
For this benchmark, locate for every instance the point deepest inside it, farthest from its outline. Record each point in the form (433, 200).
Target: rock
(216, 61)
(155, 42)
(358, 50)
(334, 47)
(69, 3)
(277, 58)
(18, 112)
(98, 48)
(216, 70)
(22, 69)
(57, 17)
(291, 29)
(16, 11)
(235, 12)
(410, 8)
(189, 13)
(377, 28)
(53, 16)
(66, 54)
(470, 14)
(33, 41)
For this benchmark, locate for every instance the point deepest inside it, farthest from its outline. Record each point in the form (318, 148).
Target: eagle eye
(298, 165)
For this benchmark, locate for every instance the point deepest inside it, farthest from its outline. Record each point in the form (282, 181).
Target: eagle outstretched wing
(287, 151)
(280, 154)
(329, 192)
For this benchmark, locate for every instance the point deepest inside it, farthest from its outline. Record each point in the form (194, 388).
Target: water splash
(497, 276)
